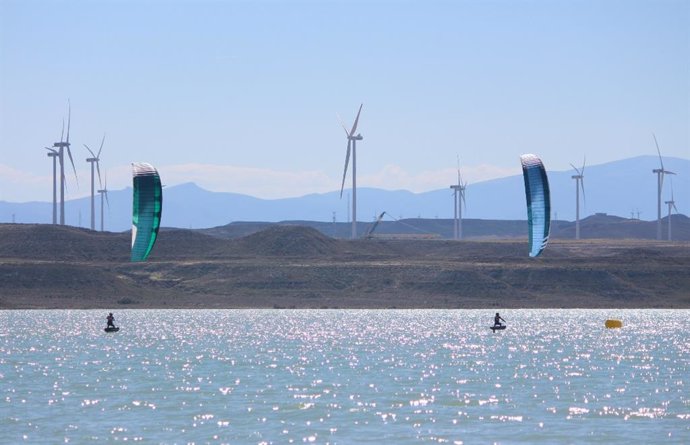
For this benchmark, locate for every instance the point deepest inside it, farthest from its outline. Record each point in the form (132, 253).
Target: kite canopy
(538, 203)
(146, 209)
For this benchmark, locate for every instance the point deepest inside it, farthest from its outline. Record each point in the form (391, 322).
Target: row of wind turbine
(58, 150)
(57, 153)
(660, 172)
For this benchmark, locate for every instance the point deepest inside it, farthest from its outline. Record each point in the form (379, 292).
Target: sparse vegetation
(43, 266)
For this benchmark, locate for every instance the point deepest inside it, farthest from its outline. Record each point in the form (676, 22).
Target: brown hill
(61, 243)
(597, 226)
(288, 241)
(44, 266)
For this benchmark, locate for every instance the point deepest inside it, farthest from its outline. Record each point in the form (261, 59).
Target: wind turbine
(660, 172)
(459, 203)
(104, 192)
(62, 145)
(579, 184)
(94, 159)
(352, 147)
(52, 153)
(671, 205)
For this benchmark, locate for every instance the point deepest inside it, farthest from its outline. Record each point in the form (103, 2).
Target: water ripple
(338, 376)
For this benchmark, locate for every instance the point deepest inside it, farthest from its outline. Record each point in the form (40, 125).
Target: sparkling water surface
(344, 376)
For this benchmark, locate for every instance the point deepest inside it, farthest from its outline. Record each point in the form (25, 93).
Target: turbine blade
(666, 172)
(98, 168)
(69, 118)
(672, 200)
(101, 149)
(69, 153)
(347, 162)
(62, 135)
(575, 168)
(354, 126)
(90, 151)
(584, 160)
(459, 177)
(341, 123)
(659, 152)
(51, 149)
(107, 201)
(674, 206)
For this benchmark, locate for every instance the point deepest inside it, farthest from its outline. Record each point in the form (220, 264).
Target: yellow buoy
(614, 324)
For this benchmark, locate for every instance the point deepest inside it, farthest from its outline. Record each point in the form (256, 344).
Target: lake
(344, 377)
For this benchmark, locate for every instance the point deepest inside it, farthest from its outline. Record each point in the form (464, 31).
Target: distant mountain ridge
(596, 226)
(626, 188)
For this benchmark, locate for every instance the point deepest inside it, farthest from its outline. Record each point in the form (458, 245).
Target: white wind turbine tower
(660, 172)
(579, 184)
(94, 159)
(52, 153)
(104, 192)
(61, 146)
(352, 147)
(671, 206)
(459, 202)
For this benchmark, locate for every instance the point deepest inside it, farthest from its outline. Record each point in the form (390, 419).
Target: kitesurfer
(498, 319)
(111, 320)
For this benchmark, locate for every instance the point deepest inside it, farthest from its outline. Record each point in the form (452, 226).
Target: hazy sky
(243, 96)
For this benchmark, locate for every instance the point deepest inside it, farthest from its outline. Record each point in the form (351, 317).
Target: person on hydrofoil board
(497, 320)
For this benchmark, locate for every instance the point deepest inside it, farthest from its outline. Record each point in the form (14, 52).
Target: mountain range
(626, 188)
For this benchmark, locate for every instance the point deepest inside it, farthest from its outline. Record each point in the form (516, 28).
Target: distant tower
(104, 193)
(94, 159)
(671, 206)
(61, 146)
(458, 203)
(352, 148)
(54, 154)
(579, 184)
(335, 227)
(660, 172)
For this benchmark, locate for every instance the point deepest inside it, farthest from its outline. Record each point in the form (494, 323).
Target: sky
(244, 96)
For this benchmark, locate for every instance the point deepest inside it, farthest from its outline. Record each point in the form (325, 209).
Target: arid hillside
(45, 266)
